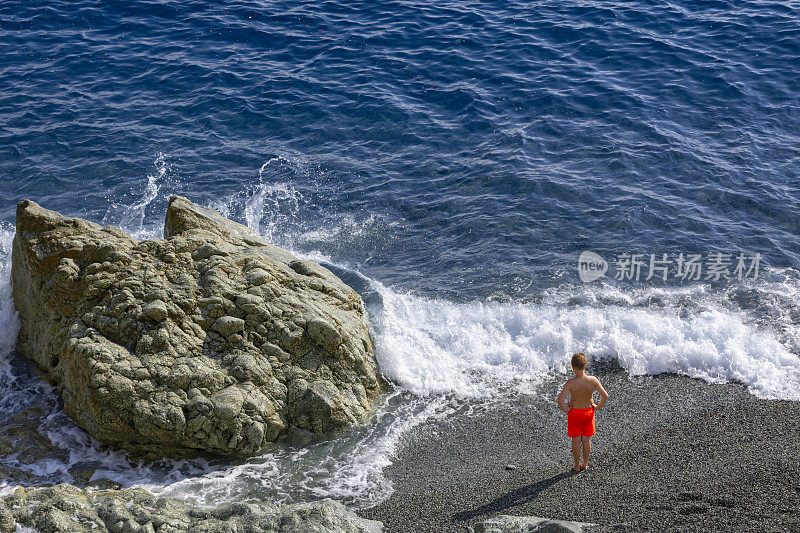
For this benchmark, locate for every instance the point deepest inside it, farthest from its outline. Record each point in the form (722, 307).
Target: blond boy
(581, 408)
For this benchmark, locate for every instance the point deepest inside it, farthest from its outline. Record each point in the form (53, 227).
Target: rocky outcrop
(68, 509)
(209, 340)
(529, 524)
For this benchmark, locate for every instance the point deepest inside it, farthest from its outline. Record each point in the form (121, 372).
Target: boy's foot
(576, 469)
(584, 467)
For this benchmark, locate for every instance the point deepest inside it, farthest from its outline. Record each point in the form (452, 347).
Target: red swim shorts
(580, 422)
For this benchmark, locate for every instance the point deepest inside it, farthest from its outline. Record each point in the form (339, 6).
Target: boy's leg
(587, 447)
(576, 452)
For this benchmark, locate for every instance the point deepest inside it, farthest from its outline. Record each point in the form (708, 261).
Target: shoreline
(671, 453)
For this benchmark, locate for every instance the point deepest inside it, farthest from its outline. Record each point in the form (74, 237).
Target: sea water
(448, 160)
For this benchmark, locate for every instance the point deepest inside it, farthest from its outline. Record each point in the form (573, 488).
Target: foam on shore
(475, 349)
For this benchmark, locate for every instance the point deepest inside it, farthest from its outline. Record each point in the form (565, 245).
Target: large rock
(67, 509)
(209, 340)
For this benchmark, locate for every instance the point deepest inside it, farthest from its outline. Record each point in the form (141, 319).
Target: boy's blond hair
(579, 361)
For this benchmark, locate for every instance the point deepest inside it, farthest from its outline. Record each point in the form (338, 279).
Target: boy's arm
(562, 396)
(603, 394)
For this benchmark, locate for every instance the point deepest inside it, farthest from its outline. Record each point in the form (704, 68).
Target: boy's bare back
(581, 389)
(580, 412)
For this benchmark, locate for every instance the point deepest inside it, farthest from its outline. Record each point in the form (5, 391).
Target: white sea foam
(434, 346)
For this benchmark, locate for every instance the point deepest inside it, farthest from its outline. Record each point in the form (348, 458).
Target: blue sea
(449, 160)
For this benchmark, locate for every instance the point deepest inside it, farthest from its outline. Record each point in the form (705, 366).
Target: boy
(580, 412)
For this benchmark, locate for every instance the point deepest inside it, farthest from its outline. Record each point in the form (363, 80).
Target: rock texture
(529, 524)
(68, 509)
(209, 340)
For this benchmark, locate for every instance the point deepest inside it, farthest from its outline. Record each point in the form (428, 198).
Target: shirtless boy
(581, 408)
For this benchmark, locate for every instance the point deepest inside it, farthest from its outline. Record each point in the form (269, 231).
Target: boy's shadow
(512, 499)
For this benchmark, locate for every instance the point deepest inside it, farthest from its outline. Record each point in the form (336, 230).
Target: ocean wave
(479, 349)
